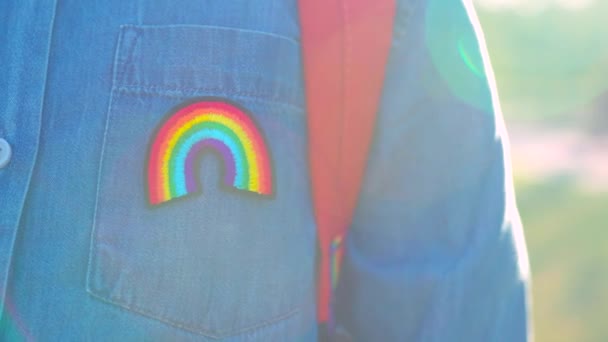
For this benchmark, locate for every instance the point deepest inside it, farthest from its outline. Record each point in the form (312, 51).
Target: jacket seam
(179, 92)
(7, 269)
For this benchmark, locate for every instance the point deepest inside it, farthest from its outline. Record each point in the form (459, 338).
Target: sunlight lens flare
(452, 42)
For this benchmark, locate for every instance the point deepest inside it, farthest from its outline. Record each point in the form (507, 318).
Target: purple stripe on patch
(227, 158)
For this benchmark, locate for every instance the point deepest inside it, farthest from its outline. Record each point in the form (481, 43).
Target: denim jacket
(436, 249)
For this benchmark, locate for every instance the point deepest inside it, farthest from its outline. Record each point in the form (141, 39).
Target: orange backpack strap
(345, 49)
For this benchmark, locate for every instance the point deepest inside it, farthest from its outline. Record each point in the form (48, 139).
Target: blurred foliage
(566, 235)
(550, 65)
(551, 71)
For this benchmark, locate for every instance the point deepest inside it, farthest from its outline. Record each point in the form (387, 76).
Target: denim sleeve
(436, 249)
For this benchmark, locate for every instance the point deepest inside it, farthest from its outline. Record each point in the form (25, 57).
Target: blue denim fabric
(436, 249)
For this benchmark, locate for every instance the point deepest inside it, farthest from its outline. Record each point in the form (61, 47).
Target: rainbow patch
(211, 124)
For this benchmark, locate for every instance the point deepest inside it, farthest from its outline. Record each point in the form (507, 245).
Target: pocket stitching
(212, 334)
(118, 64)
(141, 28)
(188, 92)
(134, 308)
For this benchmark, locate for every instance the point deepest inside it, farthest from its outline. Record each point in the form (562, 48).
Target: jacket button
(5, 153)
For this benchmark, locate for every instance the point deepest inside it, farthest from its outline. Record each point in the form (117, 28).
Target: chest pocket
(217, 262)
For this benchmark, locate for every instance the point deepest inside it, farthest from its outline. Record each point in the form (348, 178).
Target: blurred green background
(550, 58)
